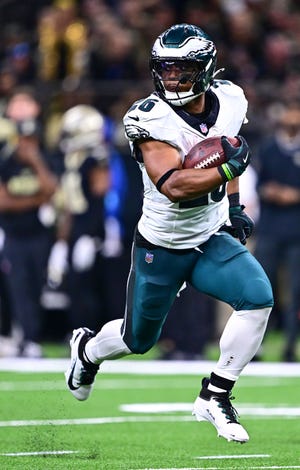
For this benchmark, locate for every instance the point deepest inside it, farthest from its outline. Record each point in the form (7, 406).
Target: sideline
(145, 367)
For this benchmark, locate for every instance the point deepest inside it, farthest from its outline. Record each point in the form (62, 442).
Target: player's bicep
(159, 157)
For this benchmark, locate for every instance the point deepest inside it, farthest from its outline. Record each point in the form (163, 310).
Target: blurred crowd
(58, 54)
(98, 50)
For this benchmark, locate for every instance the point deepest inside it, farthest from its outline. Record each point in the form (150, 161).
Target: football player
(179, 237)
(27, 186)
(75, 258)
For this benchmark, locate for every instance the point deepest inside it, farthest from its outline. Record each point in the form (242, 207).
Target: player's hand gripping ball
(208, 153)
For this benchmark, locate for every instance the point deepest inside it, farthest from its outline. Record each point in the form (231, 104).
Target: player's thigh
(154, 280)
(229, 272)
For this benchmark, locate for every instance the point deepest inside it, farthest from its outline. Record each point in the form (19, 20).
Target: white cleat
(81, 375)
(222, 415)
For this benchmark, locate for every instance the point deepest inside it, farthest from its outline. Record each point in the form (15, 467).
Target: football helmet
(82, 128)
(186, 47)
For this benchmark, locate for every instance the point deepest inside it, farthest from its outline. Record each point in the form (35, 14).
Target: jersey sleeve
(149, 119)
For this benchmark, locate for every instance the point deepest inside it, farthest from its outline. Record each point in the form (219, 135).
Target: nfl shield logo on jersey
(149, 257)
(203, 128)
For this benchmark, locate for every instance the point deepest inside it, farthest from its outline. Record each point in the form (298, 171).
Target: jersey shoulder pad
(144, 117)
(228, 89)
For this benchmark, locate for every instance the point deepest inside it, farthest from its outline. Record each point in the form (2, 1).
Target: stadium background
(96, 52)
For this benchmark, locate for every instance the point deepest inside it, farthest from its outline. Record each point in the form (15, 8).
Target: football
(208, 153)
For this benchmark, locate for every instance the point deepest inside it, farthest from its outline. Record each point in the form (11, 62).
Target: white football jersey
(186, 224)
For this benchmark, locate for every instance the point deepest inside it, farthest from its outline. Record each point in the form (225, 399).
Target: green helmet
(183, 44)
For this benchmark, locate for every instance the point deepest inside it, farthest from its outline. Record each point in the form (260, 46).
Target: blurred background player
(26, 188)
(76, 258)
(278, 227)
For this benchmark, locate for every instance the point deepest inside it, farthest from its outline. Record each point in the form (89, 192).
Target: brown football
(208, 153)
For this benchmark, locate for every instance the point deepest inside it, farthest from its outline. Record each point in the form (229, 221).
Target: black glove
(238, 158)
(241, 224)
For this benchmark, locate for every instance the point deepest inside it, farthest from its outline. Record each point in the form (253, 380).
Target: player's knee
(143, 339)
(258, 294)
(140, 346)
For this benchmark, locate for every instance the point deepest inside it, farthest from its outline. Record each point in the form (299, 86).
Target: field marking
(145, 367)
(232, 468)
(239, 456)
(274, 467)
(262, 410)
(42, 452)
(249, 412)
(131, 383)
(106, 420)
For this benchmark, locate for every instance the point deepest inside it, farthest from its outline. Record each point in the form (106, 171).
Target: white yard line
(263, 467)
(106, 420)
(42, 452)
(128, 383)
(245, 410)
(249, 412)
(239, 456)
(144, 367)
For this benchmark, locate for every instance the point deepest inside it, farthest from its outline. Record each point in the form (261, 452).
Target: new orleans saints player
(179, 237)
(27, 186)
(76, 257)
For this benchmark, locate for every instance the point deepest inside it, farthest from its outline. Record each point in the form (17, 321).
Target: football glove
(238, 158)
(57, 265)
(84, 253)
(241, 224)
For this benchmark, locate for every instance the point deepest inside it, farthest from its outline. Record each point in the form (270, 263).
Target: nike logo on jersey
(136, 118)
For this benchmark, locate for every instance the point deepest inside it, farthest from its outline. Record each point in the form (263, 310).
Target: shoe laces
(227, 409)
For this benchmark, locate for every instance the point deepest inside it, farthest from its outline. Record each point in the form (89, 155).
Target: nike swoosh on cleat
(246, 158)
(136, 118)
(70, 383)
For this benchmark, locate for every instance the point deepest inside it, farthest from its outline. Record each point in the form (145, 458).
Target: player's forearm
(190, 184)
(233, 186)
(9, 203)
(47, 180)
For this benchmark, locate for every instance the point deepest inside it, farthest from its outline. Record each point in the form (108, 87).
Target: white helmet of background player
(181, 45)
(82, 128)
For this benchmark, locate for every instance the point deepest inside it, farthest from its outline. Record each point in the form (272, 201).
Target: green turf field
(134, 421)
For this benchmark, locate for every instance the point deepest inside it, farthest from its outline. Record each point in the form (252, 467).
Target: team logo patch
(135, 132)
(149, 257)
